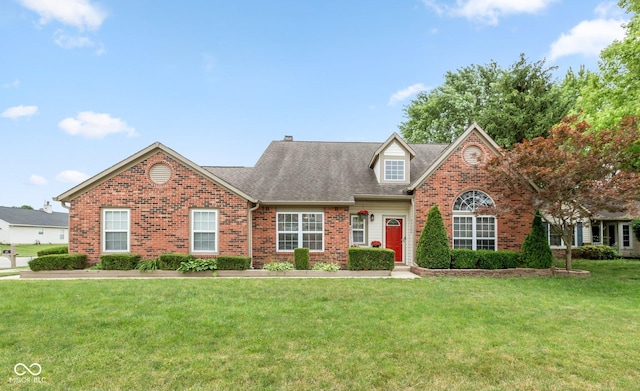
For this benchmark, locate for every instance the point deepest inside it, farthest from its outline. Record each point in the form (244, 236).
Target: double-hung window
(626, 236)
(115, 230)
(300, 229)
(204, 230)
(358, 223)
(472, 231)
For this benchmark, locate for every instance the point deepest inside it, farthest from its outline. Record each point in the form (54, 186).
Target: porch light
(371, 216)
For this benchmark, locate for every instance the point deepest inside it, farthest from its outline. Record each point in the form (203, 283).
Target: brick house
(326, 196)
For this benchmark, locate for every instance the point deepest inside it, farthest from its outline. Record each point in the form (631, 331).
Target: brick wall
(454, 177)
(336, 237)
(159, 214)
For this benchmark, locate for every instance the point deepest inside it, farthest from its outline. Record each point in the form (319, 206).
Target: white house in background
(27, 226)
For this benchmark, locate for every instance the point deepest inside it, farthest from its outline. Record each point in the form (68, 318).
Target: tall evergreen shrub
(433, 250)
(536, 252)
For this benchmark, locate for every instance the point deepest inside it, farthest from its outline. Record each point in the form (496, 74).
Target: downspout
(250, 232)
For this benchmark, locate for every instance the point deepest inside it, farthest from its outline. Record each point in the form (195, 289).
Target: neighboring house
(605, 228)
(299, 194)
(28, 226)
(614, 229)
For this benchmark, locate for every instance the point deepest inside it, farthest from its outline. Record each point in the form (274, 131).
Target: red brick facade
(336, 237)
(456, 176)
(159, 214)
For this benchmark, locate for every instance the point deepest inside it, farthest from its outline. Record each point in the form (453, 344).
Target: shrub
(536, 252)
(597, 252)
(148, 265)
(433, 246)
(301, 258)
(488, 259)
(278, 266)
(54, 250)
(59, 262)
(327, 267)
(229, 262)
(464, 259)
(119, 261)
(173, 261)
(371, 259)
(511, 259)
(198, 265)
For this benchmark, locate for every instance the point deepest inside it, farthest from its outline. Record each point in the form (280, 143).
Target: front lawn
(332, 334)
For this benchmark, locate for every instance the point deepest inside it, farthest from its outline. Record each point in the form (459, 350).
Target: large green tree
(614, 92)
(512, 104)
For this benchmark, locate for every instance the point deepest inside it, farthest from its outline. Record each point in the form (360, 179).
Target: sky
(85, 84)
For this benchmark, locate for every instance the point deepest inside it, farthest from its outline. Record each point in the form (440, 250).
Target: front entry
(393, 236)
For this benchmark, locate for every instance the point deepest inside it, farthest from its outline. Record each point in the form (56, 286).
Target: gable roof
(136, 158)
(473, 128)
(36, 218)
(392, 138)
(297, 172)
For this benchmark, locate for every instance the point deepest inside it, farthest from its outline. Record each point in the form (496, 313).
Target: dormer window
(394, 170)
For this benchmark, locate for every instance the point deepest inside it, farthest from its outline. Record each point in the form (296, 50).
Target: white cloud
(95, 125)
(588, 38)
(37, 180)
(407, 92)
(70, 42)
(78, 13)
(71, 176)
(19, 111)
(489, 11)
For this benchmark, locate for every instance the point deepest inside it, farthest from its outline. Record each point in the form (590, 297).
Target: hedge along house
(326, 196)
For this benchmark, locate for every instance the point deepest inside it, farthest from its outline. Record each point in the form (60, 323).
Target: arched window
(475, 232)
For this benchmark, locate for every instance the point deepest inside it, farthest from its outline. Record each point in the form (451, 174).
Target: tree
(572, 174)
(26, 207)
(519, 103)
(614, 92)
(433, 250)
(535, 251)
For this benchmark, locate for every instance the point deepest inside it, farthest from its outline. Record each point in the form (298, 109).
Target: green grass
(29, 250)
(327, 334)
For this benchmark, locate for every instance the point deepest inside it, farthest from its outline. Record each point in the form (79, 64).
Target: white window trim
(364, 229)
(562, 244)
(474, 235)
(404, 170)
(193, 232)
(300, 232)
(104, 230)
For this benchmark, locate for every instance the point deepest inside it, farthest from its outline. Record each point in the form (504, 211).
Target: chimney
(47, 207)
(288, 138)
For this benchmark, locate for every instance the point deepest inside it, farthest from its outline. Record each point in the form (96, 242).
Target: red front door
(393, 236)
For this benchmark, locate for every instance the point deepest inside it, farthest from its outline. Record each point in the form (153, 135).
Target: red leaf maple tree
(573, 173)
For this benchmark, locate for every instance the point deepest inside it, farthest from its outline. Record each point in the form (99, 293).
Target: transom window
(471, 231)
(358, 224)
(115, 225)
(471, 200)
(394, 170)
(204, 230)
(300, 229)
